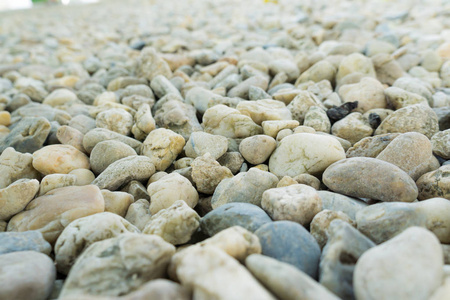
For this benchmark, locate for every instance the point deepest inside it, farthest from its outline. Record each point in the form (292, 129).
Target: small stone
(300, 105)
(175, 224)
(229, 122)
(241, 90)
(208, 173)
(231, 160)
(291, 243)
(337, 202)
(440, 143)
(97, 135)
(28, 135)
(354, 127)
(107, 152)
(399, 98)
(369, 93)
(70, 136)
(322, 70)
(162, 146)
(137, 190)
(83, 176)
(60, 97)
(337, 113)
(15, 165)
(417, 118)
(162, 86)
(5, 118)
(286, 181)
(117, 202)
(59, 159)
(122, 171)
(317, 118)
(264, 110)
(151, 65)
(371, 146)
(257, 149)
(138, 213)
(83, 232)
(23, 241)
(372, 178)
(355, 62)
(26, 275)
(434, 184)
(52, 212)
(387, 68)
(15, 197)
(411, 152)
(118, 265)
(319, 228)
(54, 181)
(200, 143)
(82, 123)
(344, 247)
(298, 203)
(144, 122)
(115, 119)
(272, 128)
(284, 280)
(203, 268)
(385, 272)
(383, 221)
(246, 187)
(170, 188)
(305, 153)
(246, 215)
(308, 180)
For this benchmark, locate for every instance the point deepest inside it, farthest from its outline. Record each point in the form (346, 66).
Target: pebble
(118, 265)
(26, 275)
(117, 202)
(15, 197)
(338, 202)
(264, 110)
(107, 152)
(170, 188)
(208, 173)
(83, 232)
(246, 187)
(320, 224)
(15, 165)
(291, 243)
(138, 213)
(305, 153)
(317, 118)
(115, 119)
(27, 136)
(23, 241)
(60, 159)
(54, 181)
(353, 128)
(386, 272)
(83, 176)
(298, 203)
(50, 213)
(97, 135)
(257, 149)
(284, 280)
(434, 184)
(440, 143)
(67, 135)
(200, 143)
(369, 93)
(371, 178)
(175, 224)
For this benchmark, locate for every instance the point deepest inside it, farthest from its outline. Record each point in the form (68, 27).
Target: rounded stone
(257, 149)
(305, 153)
(291, 243)
(23, 241)
(60, 159)
(435, 184)
(200, 143)
(107, 152)
(115, 119)
(371, 178)
(441, 143)
(246, 215)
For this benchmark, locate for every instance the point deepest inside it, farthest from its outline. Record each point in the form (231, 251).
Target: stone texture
(83, 232)
(54, 181)
(174, 224)
(200, 143)
(170, 188)
(51, 213)
(372, 178)
(208, 173)
(305, 153)
(26, 275)
(97, 135)
(298, 203)
(117, 202)
(369, 93)
(59, 159)
(107, 152)
(371, 146)
(264, 110)
(440, 143)
(246, 187)
(115, 119)
(338, 202)
(122, 171)
(23, 241)
(434, 184)
(15, 197)
(291, 243)
(385, 271)
(151, 65)
(320, 224)
(257, 149)
(117, 266)
(353, 128)
(15, 165)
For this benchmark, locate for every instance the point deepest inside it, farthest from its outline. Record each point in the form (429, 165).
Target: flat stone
(51, 213)
(291, 243)
(106, 152)
(119, 265)
(59, 159)
(264, 110)
(246, 215)
(15, 165)
(15, 197)
(70, 136)
(305, 153)
(122, 171)
(54, 181)
(23, 241)
(83, 232)
(26, 275)
(97, 135)
(385, 271)
(372, 178)
(284, 280)
(28, 135)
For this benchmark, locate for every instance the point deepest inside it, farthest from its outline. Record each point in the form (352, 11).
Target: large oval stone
(366, 177)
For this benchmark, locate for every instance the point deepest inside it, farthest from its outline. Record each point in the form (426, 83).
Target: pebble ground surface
(225, 150)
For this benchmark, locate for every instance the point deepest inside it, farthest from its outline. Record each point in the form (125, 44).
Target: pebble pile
(223, 150)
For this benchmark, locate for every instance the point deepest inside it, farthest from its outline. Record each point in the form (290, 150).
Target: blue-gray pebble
(246, 215)
(291, 243)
